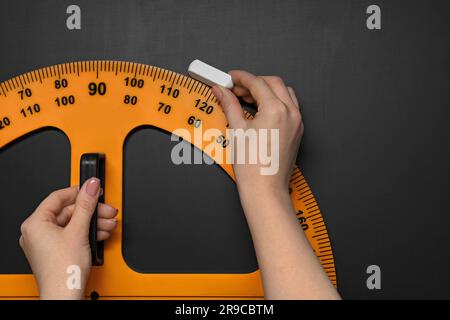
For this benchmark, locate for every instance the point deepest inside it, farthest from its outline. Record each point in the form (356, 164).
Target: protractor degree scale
(96, 104)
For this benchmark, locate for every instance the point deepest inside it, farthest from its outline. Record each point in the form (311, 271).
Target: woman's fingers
(103, 211)
(106, 224)
(106, 221)
(106, 211)
(240, 91)
(55, 202)
(277, 86)
(293, 97)
(230, 106)
(243, 93)
(66, 214)
(257, 86)
(103, 235)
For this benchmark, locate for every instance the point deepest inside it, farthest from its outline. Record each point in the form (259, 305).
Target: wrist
(62, 286)
(273, 196)
(58, 292)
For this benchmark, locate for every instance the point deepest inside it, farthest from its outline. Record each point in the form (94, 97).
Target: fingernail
(101, 192)
(217, 91)
(109, 207)
(92, 187)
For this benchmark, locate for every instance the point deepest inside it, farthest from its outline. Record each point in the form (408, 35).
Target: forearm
(289, 267)
(55, 283)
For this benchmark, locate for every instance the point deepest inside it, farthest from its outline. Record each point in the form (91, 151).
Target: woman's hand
(55, 237)
(289, 267)
(278, 109)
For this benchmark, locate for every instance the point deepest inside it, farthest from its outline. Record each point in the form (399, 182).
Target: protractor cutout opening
(30, 169)
(183, 218)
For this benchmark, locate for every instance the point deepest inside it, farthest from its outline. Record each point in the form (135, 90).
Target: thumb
(230, 106)
(85, 205)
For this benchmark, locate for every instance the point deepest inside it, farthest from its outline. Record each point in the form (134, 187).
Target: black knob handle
(93, 165)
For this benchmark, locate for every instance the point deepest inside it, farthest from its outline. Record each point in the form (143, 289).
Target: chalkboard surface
(376, 150)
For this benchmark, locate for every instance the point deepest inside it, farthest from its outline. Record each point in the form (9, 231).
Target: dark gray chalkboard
(375, 103)
(30, 169)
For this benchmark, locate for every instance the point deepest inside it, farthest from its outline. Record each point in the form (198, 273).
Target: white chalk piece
(209, 75)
